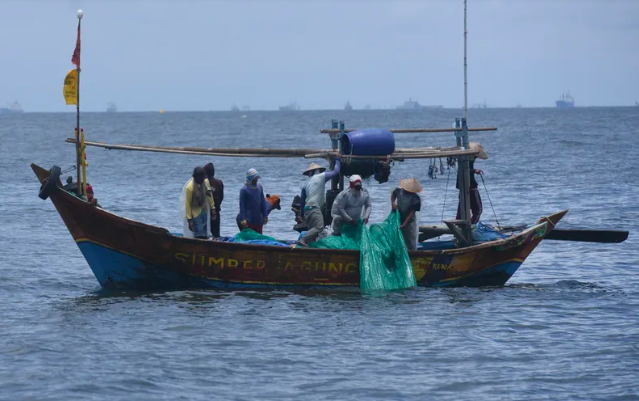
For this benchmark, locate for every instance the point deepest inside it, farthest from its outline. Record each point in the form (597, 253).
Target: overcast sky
(207, 54)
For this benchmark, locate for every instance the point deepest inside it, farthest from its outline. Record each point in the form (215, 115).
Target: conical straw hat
(477, 146)
(312, 167)
(411, 185)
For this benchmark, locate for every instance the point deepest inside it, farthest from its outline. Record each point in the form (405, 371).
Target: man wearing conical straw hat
(405, 200)
(313, 199)
(476, 207)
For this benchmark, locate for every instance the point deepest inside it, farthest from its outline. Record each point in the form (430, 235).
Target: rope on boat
(446, 193)
(63, 172)
(491, 202)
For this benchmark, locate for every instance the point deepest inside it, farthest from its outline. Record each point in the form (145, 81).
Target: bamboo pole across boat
(412, 130)
(252, 152)
(267, 151)
(279, 153)
(396, 156)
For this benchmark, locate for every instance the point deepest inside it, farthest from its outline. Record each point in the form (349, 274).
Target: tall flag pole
(75, 59)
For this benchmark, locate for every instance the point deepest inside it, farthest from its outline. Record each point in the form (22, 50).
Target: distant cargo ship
(565, 101)
(112, 108)
(411, 104)
(480, 105)
(290, 107)
(348, 106)
(13, 108)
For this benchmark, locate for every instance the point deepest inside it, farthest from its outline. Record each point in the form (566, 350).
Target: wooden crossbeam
(412, 130)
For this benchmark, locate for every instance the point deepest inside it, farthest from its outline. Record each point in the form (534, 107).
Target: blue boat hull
(118, 271)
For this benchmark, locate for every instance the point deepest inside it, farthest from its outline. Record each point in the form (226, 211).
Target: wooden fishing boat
(126, 254)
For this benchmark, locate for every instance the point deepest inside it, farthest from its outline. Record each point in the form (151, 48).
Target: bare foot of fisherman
(191, 225)
(302, 243)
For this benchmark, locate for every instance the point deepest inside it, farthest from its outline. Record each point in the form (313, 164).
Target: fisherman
(90, 197)
(254, 208)
(407, 202)
(475, 199)
(351, 205)
(313, 199)
(218, 196)
(273, 203)
(199, 201)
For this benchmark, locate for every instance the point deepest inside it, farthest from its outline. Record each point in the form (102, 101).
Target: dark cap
(199, 172)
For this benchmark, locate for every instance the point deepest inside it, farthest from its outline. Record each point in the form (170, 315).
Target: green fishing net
(384, 263)
(350, 238)
(249, 235)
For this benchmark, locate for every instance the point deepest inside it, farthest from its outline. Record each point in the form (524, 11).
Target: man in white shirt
(351, 205)
(313, 199)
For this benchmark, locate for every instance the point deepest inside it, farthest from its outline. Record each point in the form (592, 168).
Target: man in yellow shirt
(199, 201)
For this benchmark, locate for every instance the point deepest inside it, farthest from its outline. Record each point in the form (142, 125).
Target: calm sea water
(565, 327)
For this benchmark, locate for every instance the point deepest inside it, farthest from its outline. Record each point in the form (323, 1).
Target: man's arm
(341, 208)
(265, 205)
(242, 205)
(189, 195)
(302, 202)
(209, 194)
(408, 218)
(335, 173)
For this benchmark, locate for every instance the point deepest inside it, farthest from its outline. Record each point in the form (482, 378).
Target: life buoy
(49, 185)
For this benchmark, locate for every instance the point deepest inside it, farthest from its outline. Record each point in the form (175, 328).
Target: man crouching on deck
(313, 199)
(199, 200)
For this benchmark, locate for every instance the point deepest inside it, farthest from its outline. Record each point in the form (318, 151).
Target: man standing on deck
(199, 200)
(351, 205)
(313, 199)
(218, 196)
(476, 206)
(407, 202)
(254, 208)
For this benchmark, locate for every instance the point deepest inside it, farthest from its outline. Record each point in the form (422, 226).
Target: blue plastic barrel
(368, 142)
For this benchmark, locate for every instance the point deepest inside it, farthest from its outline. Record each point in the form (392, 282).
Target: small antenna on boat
(465, 68)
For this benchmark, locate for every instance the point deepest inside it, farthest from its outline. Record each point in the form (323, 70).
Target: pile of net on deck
(249, 236)
(384, 263)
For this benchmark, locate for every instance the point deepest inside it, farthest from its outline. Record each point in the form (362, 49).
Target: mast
(78, 148)
(465, 67)
(463, 173)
